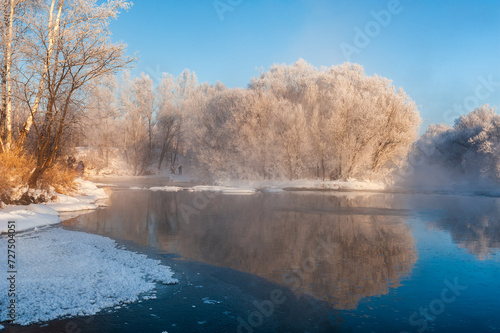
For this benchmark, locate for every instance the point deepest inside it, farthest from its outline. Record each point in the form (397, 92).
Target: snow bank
(199, 188)
(88, 195)
(224, 189)
(105, 184)
(42, 209)
(275, 186)
(238, 190)
(65, 203)
(70, 273)
(26, 219)
(90, 190)
(166, 188)
(32, 216)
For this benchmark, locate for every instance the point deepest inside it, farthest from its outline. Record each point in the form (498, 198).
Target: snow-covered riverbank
(249, 187)
(68, 273)
(88, 197)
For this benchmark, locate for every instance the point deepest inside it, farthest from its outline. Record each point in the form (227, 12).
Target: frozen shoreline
(88, 197)
(274, 186)
(62, 273)
(65, 273)
(247, 187)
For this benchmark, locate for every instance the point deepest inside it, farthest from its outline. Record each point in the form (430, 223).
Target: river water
(306, 261)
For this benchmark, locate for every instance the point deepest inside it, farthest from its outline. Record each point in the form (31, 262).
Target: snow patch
(273, 190)
(200, 188)
(37, 215)
(26, 219)
(42, 209)
(70, 273)
(276, 186)
(66, 207)
(88, 188)
(166, 188)
(105, 185)
(224, 189)
(87, 199)
(207, 300)
(238, 190)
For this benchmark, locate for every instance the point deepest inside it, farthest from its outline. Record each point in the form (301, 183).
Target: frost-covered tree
(194, 124)
(153, 118)
(67, 46)
(169, 117)
(137, 104)
(468, 151)
(101, 124)
(298, 121)
(216, 147)
(291, 122)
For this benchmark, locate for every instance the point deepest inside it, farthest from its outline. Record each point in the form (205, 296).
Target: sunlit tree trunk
(53, 34)
(7, 86)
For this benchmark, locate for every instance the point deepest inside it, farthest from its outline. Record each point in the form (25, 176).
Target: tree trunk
(107, 150)
(53, 30)
(166, 144)
(46, 147)
(162, 154)
(8, 65)
(175, 155)
(34, 177)
(3, 106)
(323, 166)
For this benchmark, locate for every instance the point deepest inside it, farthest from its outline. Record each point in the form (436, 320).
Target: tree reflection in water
(335, 247)
(472, 222)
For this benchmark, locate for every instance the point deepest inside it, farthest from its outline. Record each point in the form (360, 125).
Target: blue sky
(444, 54)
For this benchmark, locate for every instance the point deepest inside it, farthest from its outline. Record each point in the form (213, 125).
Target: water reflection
(334, 247)
(340, 248)
(473, 223)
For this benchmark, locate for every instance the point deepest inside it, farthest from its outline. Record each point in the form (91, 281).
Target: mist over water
(434, 178)
(464, 158)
